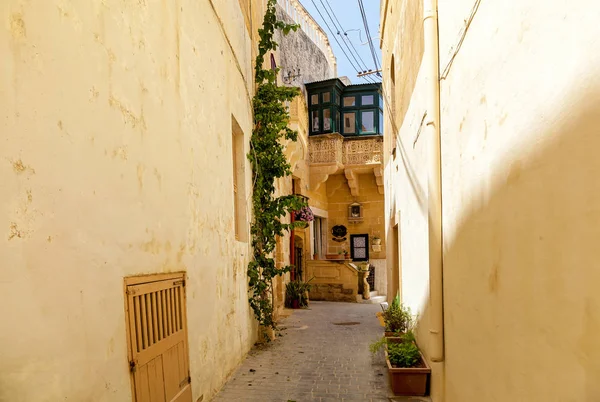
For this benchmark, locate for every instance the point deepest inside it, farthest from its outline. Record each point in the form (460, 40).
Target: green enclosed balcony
(345, 132)
(350, 110)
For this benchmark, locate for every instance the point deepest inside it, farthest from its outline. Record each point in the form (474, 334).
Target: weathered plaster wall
(298, 51)
(116, 161)
(520, 111)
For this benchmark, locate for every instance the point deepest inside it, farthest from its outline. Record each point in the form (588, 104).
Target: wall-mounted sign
(339, 233)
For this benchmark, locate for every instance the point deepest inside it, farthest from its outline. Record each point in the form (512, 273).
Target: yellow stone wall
(340, 198)
(116, 161)
(519, 115)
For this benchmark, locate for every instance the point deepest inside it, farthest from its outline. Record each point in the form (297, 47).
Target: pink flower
(304, 214)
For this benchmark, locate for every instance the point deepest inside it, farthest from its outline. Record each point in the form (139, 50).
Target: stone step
(375, 300)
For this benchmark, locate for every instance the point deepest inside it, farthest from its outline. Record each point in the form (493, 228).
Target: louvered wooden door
(158, 338)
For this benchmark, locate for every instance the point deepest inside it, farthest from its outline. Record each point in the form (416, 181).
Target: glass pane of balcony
(349, 123)
(349, 101)
(367, 122)
(315, 121)
(326, 119)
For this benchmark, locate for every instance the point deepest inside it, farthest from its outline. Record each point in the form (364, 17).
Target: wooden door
(158, 344)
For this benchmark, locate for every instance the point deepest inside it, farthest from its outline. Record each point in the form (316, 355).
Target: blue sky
(348, 15)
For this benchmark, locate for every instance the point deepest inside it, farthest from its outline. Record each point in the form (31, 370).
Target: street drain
(346, 323)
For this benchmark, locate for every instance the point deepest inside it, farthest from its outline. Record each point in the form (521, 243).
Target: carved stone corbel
(378, 171)
(320, 174)
(352, 181)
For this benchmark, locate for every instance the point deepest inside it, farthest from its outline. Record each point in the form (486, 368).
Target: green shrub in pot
(397, 318)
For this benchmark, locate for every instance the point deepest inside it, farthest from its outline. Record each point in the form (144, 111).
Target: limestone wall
(116, 160)
(340, 198)
(520, 111)
(306, 50)
(332, 281)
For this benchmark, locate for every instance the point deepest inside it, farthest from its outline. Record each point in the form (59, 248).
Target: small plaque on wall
(339, 233)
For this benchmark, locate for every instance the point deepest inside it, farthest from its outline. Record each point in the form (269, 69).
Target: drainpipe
(436, 297)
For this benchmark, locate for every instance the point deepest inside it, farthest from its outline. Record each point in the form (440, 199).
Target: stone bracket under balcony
(333, 153)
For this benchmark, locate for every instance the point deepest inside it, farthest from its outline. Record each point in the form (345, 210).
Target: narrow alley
(321, 355)
(181, 179)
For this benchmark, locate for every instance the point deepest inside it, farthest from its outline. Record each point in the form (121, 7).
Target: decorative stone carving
(332, 153)
(326, 149)
(363, 151)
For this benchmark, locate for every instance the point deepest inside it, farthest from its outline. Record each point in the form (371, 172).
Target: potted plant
(343, 254)
(296, 294)
(407, 368)
(303, 216)
(397, 318)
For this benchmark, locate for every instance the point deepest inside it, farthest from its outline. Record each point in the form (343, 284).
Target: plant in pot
(407, 368)
(296, 294)
(397, 318)
(303, 216)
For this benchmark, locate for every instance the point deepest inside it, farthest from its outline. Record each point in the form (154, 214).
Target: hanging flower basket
(305, 215)
(302, 224)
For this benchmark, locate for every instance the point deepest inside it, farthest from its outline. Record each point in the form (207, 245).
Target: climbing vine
(268, 162)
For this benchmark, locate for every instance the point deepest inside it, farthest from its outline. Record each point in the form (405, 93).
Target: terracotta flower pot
(394, 336)
(409, 381)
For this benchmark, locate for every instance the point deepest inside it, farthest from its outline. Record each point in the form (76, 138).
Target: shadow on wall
(522, 273)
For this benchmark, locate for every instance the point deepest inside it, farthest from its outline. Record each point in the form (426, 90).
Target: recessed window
(239, 188)
(326, 97)
(367, 121)
(380, 122)
(315, 120)
(349, 123)
(367, 99)
(349, 101)
(326, 119)
(314, 99)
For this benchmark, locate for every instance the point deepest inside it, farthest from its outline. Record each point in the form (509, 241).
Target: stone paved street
(322, 355)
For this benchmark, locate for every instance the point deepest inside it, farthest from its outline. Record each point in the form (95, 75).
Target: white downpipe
(436, 297)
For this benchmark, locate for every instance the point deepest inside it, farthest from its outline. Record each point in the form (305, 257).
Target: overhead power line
(338, 32)
(345, 36)
(338, 42)
(368, 33)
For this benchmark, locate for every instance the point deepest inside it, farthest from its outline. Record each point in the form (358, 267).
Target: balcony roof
(339, 83)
